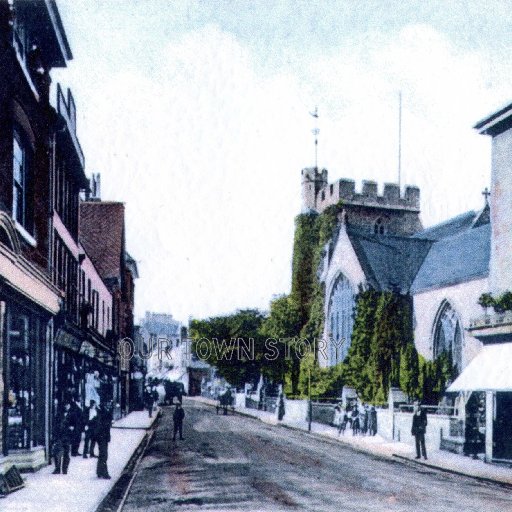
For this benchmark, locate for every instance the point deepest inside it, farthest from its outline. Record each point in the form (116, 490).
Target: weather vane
(315, 131)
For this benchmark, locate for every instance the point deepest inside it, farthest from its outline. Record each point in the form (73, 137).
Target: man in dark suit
(103, 438)
(64, 426)
(77, 413)
(91, 428)
(419, 427)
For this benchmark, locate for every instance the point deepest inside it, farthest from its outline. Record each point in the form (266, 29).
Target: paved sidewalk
(80, 490)
(377, 445)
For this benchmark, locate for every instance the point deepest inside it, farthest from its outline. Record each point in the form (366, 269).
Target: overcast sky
(196, 114)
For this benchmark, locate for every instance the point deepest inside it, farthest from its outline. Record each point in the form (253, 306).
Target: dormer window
(378, 227)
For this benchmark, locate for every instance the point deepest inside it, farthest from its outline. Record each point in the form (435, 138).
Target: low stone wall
(240, 400)
(296, 410)
(438, 426)
(385, 423)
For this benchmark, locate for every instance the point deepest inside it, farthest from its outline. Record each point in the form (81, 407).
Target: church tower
(499, 127)
(313, 181)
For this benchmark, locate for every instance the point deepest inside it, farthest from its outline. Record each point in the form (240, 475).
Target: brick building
(102, 233)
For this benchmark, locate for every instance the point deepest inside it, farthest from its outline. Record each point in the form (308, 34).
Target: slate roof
(102, 235)
(450, 227)
(389, 262)
(455, 259)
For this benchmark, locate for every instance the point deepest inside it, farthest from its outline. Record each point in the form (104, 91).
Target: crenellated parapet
(345, 190)
(391, 212)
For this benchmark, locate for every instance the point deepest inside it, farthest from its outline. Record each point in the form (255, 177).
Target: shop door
(503, 427)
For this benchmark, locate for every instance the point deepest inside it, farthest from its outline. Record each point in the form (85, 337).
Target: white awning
(490, 370)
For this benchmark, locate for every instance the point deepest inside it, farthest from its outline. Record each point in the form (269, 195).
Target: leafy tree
(282, 327)
(392, 332)
(359, 354)
(226, 342)
(409, 370)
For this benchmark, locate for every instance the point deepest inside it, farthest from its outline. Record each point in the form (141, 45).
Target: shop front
(28, 304)
(486, 384)
(82, 371)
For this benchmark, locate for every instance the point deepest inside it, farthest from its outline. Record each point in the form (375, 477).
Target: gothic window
(378, 227)
(448, 335)
(341, 306)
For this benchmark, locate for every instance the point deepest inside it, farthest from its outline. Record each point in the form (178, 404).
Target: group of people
(361, 418)
(70, 423)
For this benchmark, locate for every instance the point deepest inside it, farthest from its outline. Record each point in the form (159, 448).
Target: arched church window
(340, 316)
(448, 335)
(378, 227)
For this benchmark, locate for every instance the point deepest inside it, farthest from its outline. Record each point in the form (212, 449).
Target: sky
(197, 116)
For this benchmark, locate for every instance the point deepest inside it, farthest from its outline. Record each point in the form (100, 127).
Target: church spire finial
(315, 131)
(486, 194)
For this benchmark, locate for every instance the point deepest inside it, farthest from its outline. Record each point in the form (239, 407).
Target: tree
(409, 370)
(282, 327)
(232, 343)
(359, 354)
(392, 332)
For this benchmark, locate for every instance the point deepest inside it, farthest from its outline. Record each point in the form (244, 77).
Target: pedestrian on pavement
(178, 416)
(348, 415)
(64, 426)
(103, 438)
(355, 420)
(419, 427)
(364, 419)
(77, 413)
(91, 429)
(372, 421)
(336, 422)
(149, 400)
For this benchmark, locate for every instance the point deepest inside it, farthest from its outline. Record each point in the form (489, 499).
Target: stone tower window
(378, 227)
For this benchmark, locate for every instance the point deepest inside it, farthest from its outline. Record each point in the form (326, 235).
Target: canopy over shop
(490, 373)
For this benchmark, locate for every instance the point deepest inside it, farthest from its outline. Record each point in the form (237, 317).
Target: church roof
(389, 262)
(450, 227)
(455, 259)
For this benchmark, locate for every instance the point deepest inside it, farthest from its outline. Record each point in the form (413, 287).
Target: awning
(490, 370)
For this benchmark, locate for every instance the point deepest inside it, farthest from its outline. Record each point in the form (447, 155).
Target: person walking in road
(103, 438)
(419, 427)
(91, 429)
(65, 424)
(178, 416)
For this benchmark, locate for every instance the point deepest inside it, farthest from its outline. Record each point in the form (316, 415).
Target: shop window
(26, 349)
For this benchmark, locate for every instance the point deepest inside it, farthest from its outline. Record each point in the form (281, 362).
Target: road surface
(241, 464)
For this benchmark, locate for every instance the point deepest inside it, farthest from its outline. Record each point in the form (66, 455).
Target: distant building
(169, 350)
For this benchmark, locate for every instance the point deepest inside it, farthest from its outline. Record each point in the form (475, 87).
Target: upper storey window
(379, 227)
(20, 182)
